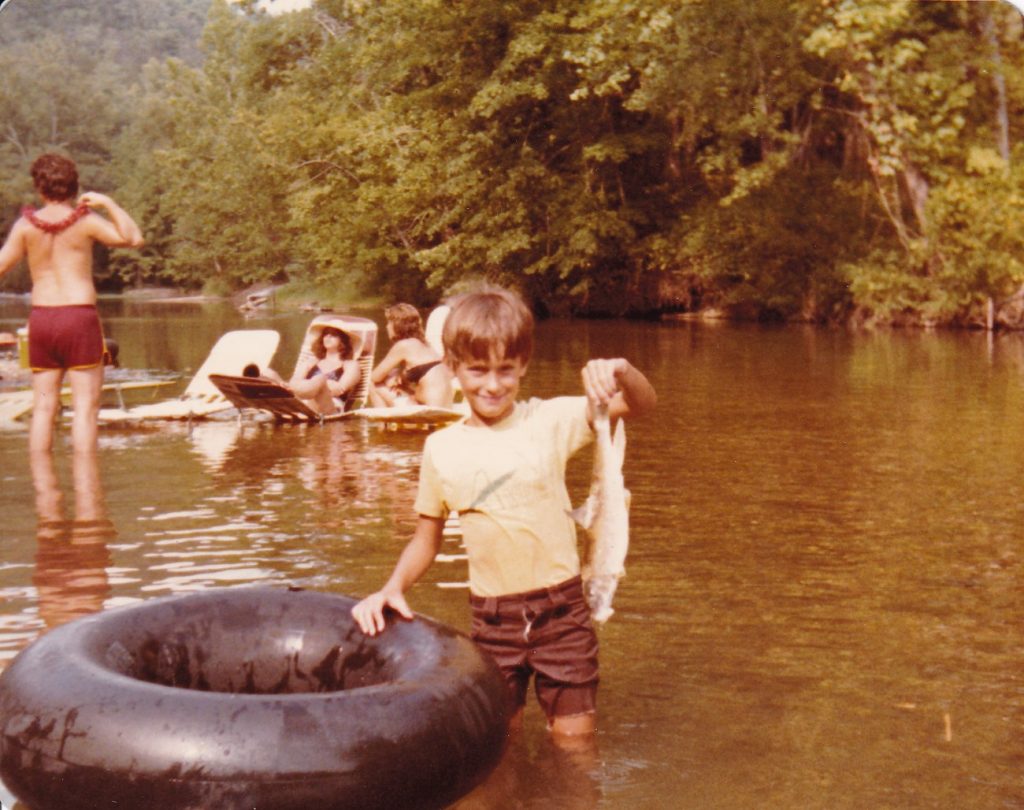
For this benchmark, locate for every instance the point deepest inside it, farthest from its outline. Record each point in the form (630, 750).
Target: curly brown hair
(346, 343)
(55, 177)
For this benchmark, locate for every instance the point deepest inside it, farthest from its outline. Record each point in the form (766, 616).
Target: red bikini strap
(55, 227)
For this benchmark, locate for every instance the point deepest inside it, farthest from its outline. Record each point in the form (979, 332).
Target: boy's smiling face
(490, 387)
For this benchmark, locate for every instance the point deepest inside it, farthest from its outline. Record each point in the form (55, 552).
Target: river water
(824, 604)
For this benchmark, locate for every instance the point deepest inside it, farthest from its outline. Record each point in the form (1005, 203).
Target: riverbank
(292, 296)
(1005, 316)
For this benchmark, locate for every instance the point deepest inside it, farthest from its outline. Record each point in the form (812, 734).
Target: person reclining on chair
(325, 380)
(411, 368)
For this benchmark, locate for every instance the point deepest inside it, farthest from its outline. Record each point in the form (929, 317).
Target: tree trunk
(999, 83)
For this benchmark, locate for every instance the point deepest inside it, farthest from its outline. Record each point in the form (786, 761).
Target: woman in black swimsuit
(411, 368)
(326, 380)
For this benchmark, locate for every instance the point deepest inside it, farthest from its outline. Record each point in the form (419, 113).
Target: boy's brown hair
(55, 177)
(405, 320)
(489, 323)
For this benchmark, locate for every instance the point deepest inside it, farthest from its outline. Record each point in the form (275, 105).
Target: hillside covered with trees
(833, 160)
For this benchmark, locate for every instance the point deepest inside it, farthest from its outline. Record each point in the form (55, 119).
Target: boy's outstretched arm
(619, 384)
(412, 564)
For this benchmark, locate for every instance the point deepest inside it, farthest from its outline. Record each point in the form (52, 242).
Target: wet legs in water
(86, 385)
(560, 768)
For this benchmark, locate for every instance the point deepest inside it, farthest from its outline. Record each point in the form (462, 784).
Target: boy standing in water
(503, 471)
(64, 327)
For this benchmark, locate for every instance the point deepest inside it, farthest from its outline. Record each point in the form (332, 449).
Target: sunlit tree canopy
(819, 161)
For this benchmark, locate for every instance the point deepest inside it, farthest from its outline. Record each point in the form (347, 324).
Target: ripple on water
(825, 566)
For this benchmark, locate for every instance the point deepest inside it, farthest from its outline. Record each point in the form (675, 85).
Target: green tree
(777, 159)
(199, 169)
(69, 75)
(911, 83)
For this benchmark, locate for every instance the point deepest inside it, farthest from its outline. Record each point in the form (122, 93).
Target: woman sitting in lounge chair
(329, 376)
(411, 368)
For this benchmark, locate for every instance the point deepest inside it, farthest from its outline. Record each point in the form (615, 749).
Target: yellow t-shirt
(507, 482)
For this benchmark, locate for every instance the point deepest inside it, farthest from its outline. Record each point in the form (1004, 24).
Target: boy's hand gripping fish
(605, 516)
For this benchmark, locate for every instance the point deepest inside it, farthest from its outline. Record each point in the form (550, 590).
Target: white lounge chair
(414, 415)
(259, 393)
(15, 404)
(230, 355)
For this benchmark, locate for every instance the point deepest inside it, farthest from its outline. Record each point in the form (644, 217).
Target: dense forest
(822, 160)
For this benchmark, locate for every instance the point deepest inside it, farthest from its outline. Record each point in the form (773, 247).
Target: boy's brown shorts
(547, 633)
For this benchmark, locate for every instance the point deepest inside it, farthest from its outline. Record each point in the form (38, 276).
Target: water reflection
(212, 442)
(823, 601)
(233, 502)
(72, 556)
(331, 468)
(331, 478)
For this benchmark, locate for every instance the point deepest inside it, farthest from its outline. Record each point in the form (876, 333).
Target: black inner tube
(225, 654)
(248, 697)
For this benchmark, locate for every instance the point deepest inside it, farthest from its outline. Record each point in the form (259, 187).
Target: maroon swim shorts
(546, 633)
(64, 337)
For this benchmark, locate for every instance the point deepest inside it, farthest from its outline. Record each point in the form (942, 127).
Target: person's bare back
(60, 263)
(65, 333)
(60, 258)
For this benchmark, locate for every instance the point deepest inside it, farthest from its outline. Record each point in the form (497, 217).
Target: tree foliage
(846, 158)
(69, 86)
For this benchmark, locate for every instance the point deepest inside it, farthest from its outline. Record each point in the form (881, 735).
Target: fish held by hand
(605, 516)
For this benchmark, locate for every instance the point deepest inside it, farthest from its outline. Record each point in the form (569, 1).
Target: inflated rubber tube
(248, 698)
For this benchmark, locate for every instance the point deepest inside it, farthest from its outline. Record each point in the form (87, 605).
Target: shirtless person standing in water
(65, 335)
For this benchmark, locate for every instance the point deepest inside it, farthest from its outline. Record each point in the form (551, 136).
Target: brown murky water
(824, 605)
